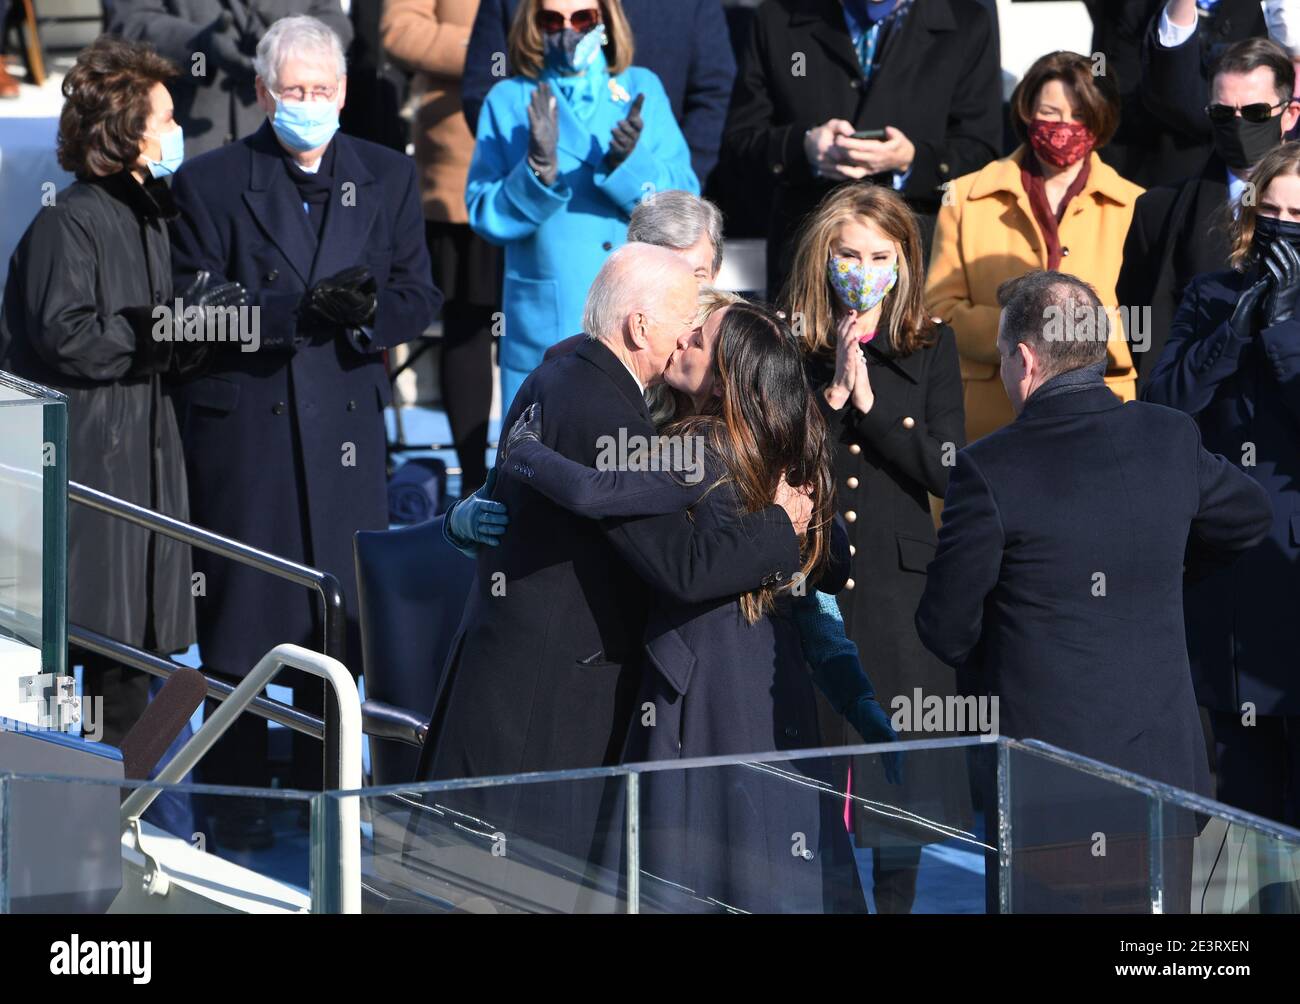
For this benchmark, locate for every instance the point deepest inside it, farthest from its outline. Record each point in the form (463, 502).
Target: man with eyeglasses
(213, 41)
(285, 445)
(1175, 234)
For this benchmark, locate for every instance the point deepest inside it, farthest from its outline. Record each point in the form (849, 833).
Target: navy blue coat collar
(599, 355)
(1085, 402)
(277, 207)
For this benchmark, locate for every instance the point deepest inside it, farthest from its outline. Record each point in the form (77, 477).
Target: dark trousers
(242, 755)
(1259, 765)
(119, 694)
(893, 877)
(466, 386)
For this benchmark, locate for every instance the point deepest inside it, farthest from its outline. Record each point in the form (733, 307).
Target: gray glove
(543, 135)
(626, 133)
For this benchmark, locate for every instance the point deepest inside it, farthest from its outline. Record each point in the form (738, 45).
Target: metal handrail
(348, 763)
(325, 584)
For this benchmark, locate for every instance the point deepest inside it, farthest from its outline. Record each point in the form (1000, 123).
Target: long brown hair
(763, 424)
(524, 44)
(808, 295)
(1095, 94)
(1277, 163)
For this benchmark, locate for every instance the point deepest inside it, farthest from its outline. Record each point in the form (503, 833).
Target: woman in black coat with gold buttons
(887, 378)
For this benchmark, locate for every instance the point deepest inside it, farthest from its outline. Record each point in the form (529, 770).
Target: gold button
(848, 583)
(852, 550)
(852, 482)
(855, 449)
(851, 516)
(908, 422)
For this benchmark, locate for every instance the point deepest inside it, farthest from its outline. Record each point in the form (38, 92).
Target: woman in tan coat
(1052, 204)
(430, 37)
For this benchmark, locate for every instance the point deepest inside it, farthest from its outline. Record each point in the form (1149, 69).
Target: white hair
(634, 278)
(298, 35)
(677, 219)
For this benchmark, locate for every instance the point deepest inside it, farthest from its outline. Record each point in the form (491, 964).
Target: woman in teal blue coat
(565, 151)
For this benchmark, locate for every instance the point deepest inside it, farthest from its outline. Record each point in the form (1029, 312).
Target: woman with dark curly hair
(88, 310)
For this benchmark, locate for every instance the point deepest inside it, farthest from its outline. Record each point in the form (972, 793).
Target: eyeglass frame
(567, 21)
(1240, 110)
(316, 94)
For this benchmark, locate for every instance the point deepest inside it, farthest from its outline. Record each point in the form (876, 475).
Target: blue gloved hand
(869, 718)
(478, 519)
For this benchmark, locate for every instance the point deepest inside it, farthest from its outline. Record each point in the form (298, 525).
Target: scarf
(584, 90)
(869, 24)
(314, 187)
(1072, 381)
(1031, 177)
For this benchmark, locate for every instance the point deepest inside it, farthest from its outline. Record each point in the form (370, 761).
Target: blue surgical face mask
(569, 51)
(305, 125)
(172, 144)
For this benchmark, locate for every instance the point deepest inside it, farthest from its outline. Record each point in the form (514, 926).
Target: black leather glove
(191, 357)
(1282, 264)
(1244, 323)
(544, 135)
(527, 426)
(226, 47)
(626, 133)
(152, 354)
(345, 300)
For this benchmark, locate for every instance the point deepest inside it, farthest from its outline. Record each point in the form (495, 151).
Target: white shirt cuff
(1172, 35)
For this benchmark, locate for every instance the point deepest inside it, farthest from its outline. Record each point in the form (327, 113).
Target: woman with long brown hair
(729, 676)
(886, 377)
(1231, 362)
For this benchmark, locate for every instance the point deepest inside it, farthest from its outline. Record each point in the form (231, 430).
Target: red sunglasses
(550, 21)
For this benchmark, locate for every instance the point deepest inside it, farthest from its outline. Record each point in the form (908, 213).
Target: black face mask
(1242, 144)
(1269, 229)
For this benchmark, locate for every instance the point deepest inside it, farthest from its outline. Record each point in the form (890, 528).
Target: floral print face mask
(860, 287)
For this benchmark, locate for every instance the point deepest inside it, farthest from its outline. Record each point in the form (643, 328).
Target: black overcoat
(286, 445)
(100, 248)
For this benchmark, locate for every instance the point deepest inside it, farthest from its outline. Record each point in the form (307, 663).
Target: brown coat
(987, 233)
(430, 37)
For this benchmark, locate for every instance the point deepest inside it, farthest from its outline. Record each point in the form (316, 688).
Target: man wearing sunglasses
(685, 43)
(1175, 234)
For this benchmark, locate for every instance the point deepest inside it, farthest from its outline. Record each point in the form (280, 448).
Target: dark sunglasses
(551, 22)
(1259, 112)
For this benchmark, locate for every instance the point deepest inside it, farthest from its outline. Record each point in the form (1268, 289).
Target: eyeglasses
(551, 22)
(301, 93)
(1260, 111)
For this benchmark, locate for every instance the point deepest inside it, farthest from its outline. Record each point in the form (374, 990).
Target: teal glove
(477, 519)
(839, 674)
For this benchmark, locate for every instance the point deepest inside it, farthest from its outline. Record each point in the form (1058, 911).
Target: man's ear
(1027, 358)
(264, 99)
(343, 91)
(638, 330)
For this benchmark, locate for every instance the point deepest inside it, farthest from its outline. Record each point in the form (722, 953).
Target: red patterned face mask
(1060, 143)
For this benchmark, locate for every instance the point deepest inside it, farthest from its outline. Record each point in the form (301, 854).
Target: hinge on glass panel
(57, 697)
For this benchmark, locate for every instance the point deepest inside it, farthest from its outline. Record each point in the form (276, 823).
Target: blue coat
(557, 238)
(1242, 629)
(1075, 488)
(686, 43)
(267, 433)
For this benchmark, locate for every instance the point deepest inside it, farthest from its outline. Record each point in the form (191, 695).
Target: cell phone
(869, 134)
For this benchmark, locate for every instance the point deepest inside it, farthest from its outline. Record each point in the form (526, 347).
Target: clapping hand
(626, 134)
(346, 299)
(1282, 264)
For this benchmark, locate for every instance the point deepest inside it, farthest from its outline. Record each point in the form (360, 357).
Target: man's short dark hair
(1250, 54)
(1059, 316)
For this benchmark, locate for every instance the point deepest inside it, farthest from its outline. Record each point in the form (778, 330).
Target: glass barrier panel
(65, 848)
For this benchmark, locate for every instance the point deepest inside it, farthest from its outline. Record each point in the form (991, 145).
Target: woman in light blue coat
(565, 151)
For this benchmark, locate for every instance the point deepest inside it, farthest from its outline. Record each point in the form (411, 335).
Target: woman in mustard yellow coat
(1052, 204)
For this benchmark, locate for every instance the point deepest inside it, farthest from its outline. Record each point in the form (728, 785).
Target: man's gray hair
(633, 278)
(1059, 316)
(677, 219)
(296, 36)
